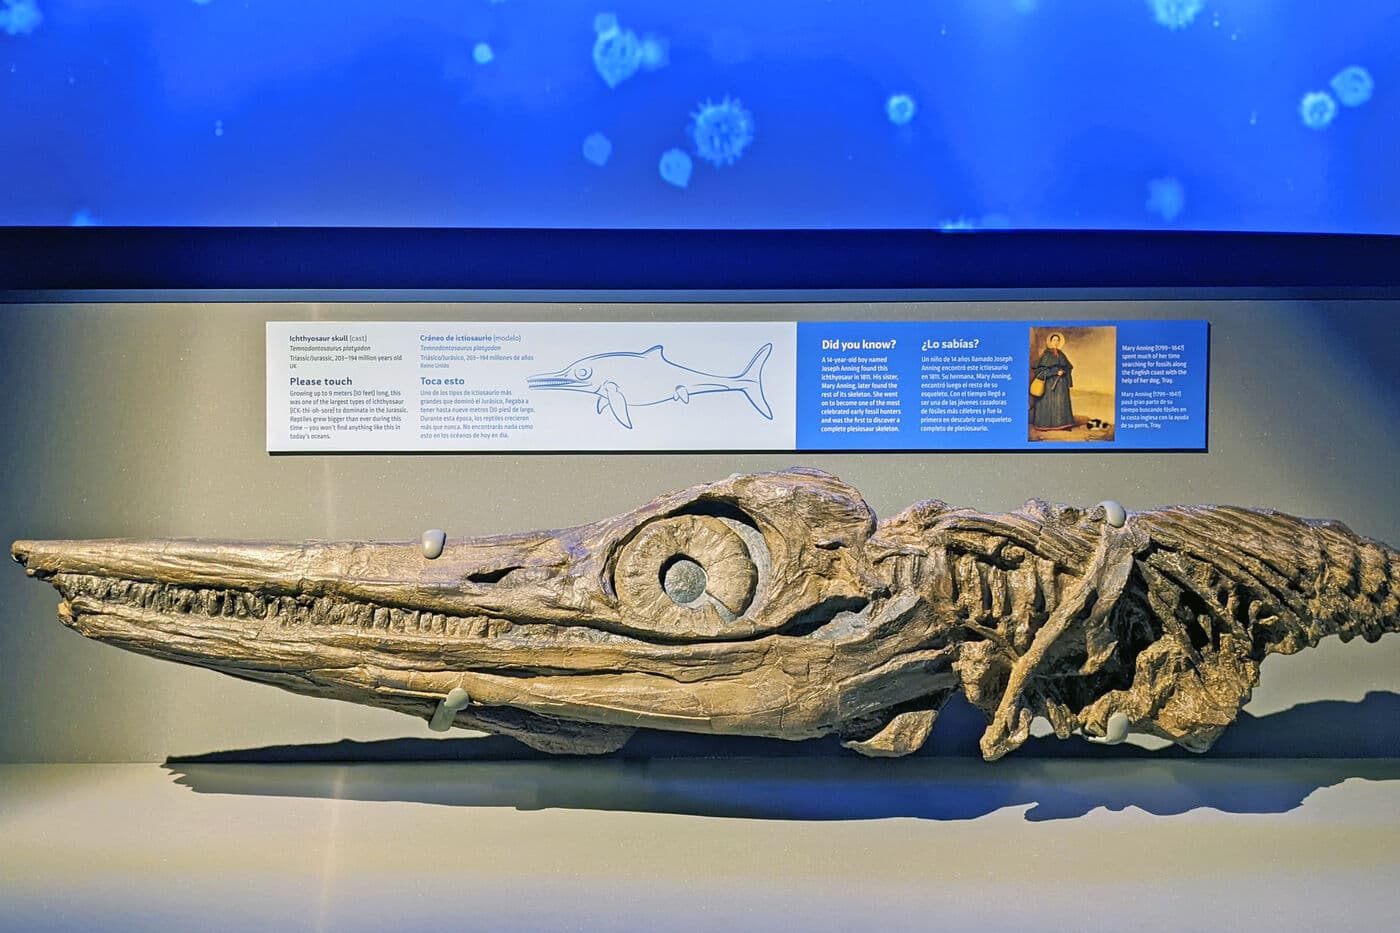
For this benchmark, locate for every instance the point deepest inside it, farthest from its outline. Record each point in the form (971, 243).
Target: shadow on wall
(1327, 743)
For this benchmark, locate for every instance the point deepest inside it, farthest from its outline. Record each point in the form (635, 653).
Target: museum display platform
(698, 844)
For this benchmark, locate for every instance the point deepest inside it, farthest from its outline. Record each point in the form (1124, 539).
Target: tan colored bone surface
(769, 605)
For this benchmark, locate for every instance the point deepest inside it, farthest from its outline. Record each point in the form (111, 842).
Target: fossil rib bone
(769, 605)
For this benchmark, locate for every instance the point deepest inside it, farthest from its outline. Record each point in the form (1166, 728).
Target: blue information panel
(1123, 385)
(738, 385)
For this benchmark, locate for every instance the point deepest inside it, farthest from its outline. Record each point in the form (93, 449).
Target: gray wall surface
(147, 420)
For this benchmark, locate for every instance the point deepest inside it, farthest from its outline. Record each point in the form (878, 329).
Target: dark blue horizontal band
(80, 258)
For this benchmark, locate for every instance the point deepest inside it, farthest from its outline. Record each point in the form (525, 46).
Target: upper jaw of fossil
(768, 605)
(727, 607)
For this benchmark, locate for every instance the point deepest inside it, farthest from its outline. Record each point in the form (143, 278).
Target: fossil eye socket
(688, 575)
(583, 372)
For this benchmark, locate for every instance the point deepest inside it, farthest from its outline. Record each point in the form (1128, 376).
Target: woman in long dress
(1052, 410)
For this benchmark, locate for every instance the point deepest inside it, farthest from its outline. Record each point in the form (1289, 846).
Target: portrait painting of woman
(1052, 410)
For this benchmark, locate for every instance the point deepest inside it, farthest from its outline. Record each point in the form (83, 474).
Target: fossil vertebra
(770, 605)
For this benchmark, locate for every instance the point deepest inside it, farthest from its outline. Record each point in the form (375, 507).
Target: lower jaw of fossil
(547, 685)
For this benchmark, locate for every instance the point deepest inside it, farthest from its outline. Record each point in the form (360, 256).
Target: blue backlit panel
(866, 114)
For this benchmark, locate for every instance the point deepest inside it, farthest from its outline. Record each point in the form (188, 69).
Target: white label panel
(406, 386)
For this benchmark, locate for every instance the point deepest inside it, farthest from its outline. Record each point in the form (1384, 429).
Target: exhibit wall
(148, 420)
(882, 114)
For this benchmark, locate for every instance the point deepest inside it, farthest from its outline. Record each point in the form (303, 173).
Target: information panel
(986, 385)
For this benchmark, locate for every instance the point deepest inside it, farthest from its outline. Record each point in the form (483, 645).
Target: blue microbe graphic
(676, 167)
(1166, 197)
(1176, 14)
(605, 22)
(617, 52)
(482, 54)
(1318, 110)
(655, 53)
(900, 108)
(597, 149)
(1353, 86)
(20, 17)
(721, 131)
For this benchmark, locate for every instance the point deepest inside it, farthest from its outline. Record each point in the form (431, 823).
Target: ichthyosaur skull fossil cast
(768, 605)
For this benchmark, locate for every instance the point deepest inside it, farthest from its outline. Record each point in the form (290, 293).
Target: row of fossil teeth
(284, 611)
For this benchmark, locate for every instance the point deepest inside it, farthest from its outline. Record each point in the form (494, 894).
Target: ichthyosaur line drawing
(623, 381)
